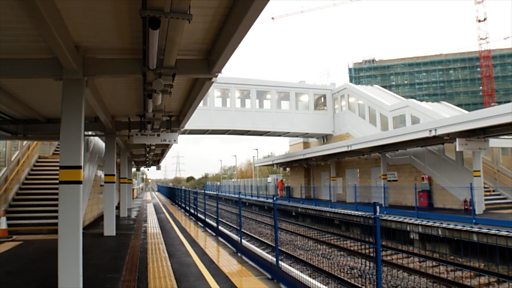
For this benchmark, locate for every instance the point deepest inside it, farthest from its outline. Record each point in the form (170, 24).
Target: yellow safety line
(196, 259)
(159, 267)
(9, 245)
(232, 266)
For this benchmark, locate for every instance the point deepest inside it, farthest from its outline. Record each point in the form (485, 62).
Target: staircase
(495, 200)
(34, 208)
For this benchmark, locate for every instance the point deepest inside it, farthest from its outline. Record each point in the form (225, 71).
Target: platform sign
(392, 176)
(463, 144)
(155, 138)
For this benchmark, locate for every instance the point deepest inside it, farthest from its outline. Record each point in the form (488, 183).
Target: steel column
(478, 182)
(109, 198)
(70, 266)
(123, 201)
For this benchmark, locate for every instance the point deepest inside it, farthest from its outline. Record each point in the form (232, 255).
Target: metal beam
(97, 67)
(241, 17)
(47, 19)
(95, 100)
(16, 108)
(175, 30)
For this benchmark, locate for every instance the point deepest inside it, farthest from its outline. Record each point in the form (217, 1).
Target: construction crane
(485, 55)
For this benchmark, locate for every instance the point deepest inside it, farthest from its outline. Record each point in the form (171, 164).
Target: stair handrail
(10, 183)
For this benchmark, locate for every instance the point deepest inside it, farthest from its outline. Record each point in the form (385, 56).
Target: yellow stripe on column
(477, 173)
(71, 176)
(110, 179)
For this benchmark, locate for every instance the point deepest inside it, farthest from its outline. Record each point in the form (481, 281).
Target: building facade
(454, 78)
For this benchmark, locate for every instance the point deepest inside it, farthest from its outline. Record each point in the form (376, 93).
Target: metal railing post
(204, 205)
(416, 200)
(355, 195)
(217, 211)
(472, 201)
(240, 217)
(276, 231)
(377, 245)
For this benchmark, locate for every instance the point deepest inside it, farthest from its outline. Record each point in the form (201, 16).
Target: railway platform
(156, 246)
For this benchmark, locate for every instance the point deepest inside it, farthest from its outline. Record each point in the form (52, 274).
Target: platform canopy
(132, 53)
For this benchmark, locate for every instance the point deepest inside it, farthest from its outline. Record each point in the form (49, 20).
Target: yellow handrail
(9, 182)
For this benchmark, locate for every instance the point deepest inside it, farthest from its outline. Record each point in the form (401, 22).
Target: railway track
(399, 265)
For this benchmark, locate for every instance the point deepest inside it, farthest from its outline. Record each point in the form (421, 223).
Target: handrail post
(377, 245)
(276, 230)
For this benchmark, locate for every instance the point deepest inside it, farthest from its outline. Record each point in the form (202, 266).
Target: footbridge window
(243, 98)
(399, 121)
(204, 103)
(352, 101)
(15, 148)
(3, 156)
(384, 124)
(283, 100)
(222, 97)
(320, 102)
(361, 109)
(302, 100)
(263, 99)
(415, 120)
(372, 116)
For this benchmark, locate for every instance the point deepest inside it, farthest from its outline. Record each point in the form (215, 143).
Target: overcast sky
(316, 41)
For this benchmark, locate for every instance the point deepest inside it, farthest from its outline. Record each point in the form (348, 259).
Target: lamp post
(220, 172)
(257, 168)
(253, 165)
(236, 166)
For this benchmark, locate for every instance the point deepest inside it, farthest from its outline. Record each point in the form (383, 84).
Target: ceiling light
(154, 30)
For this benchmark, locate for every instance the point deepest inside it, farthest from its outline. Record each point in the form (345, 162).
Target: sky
(316, 42)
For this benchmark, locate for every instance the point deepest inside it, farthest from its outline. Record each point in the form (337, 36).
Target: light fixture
(154, 30)
(149, 104)
(157, 98)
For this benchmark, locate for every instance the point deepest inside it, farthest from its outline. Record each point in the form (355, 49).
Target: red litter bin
(423, 199)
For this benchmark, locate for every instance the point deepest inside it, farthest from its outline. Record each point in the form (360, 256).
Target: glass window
(415, 120)
(384, 126)
(263, 99)
(362, 109)
(283, 100)
(3, 155)
(302, 101)
(222, 97)
(372, 116)
(343, 102)
(337, 104)
(399, 121)
(15, 148)
(352, 103)
(243, 98)
(320, 102)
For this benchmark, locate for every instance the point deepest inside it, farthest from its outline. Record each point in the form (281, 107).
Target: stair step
(41, 182)
(30, 230)
(48, 160)
(17, 198)
(16, 203)
(51, 176)
(32, 209)
(38, 191)
(27, 215)
(490, 198)
(43, 173)
(498, 202)
(493, 194)
(45, 221)
(34, 187)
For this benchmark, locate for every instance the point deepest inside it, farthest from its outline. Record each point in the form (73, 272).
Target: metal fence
(355, 251)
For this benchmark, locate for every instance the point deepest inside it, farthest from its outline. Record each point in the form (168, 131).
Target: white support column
(129, 185)
(478, 182)
(70, 272)
(123, 201)
(332, 181)
(109, 194)
(383, 171)
(459, 158)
